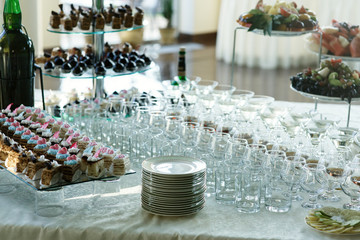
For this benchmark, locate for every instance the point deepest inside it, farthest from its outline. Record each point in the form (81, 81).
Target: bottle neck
(12, 15)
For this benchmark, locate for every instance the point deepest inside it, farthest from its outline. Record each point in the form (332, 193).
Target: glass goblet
(351, 185)
(312, 181)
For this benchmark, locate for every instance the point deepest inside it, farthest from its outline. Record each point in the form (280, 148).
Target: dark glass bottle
(181, 77)
(16, 60)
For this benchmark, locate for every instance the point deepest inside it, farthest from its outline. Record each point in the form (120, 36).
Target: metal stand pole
(98, 43)
(348, 117)
(233, 59)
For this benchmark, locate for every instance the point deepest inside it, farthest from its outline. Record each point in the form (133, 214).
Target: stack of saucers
(173, 185)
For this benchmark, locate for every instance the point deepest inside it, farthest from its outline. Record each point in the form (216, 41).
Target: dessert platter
(83, 20)
(280, 19)
(340, 40)
(332, 81)
(46, 154)
(335, 221)
(80, 63)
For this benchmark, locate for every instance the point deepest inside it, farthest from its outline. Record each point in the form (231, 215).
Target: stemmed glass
(240, 97)
(335, 165)
(351, 184)
(291, 174)
(312, 181)
(223, 92)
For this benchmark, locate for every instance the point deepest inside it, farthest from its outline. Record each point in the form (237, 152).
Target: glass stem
(312, 198)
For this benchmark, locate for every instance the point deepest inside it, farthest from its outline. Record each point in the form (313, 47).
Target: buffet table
(83, 220)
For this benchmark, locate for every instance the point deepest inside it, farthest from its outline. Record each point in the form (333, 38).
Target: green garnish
(260, 20)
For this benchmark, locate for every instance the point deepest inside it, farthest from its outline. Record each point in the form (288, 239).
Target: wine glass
(312, 181)
(205, 87)
(223, 92)
(351, 185)
(335, 165)
(291, 174)
(240, 97)
(260, 102)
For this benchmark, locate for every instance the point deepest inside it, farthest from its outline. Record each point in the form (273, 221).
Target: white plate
(173, 207)
(171, 214)
(337, 234)
(175, 197)
(280, 33)
(184, 193)
(173, 178)
(323, 98)
(174, 166)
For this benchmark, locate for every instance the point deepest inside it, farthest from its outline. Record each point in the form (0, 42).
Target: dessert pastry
(126, 49)
(3, 118)
(12, 128)
(74, 18)
(78, 70)
(87, 153)
(55, 20)
(47, 134)
(71, 169)
(131, 66)
(55, 139)
(66, 143)
(109, 14)
(68, 24)
(26, 122)
(108, 63)
(41, 147)
(85, 21)
(14, 154)
(25, 137)
(35, 167)
(63, 130)
(59, 61)
(83, 143)
(116, 21)
(42, 129)
(95, 166)
(74, 150)
(61, 13)
(122, 12)
(32, 142)
(51, 173)
(34, 126)
(129, 20)
(20, 117)
(52, 151)
(74, 10)
(5, 147)
(140, 63)
(7, 110)
(121, 164)
(76, 137)
(20, 109)
(28, 112)
(139, 15)
(66, 67)
(100, 70)
(119, 67)
(99, 21)
(108, 156)
(22, 161)
(41, 118)
(6, 125)
(88, 50)
(56, 126)
(18, 133)
(61, 155)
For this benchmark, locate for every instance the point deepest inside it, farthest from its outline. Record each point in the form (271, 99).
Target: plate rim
(169, 159)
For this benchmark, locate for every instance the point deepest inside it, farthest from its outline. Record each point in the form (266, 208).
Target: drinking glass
(238, 152)
(172, 126)
(351, 185)
(188, 136)
(260, 102)
(292, 173)
(204, 139)
(277, 194)
(205, 87)
(240, 97)
(248, 191)
(221, 147)
(312, 181)
(128, 112)
(157, 120)
(274, 162)
(223, 92)
(335, 165)
(255, 156)
(141, 99)
(225, 185)
(142, 117)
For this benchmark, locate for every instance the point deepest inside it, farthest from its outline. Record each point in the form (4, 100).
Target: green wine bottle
(181, 77)
(16, 60)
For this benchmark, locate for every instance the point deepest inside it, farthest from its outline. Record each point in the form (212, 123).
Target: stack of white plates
(173, 185)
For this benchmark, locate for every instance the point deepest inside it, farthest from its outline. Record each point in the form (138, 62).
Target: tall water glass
(292, 173)
(225, 185)
(351, 185)
(188, 136)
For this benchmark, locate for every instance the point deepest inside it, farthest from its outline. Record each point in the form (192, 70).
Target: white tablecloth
(254, 50)
(81, 220)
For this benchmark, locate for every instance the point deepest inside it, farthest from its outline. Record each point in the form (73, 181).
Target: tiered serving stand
(321, 56)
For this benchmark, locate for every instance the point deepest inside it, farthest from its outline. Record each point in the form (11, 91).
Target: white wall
(198, 16)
